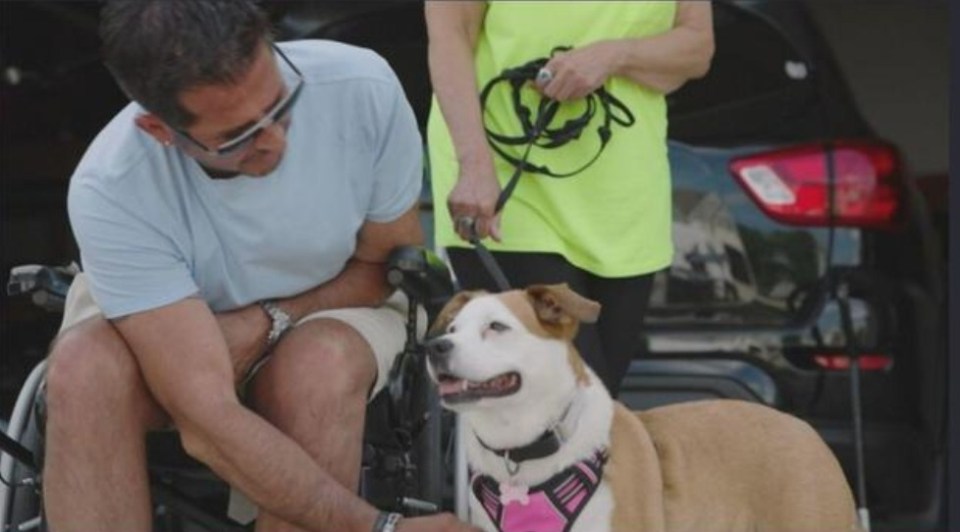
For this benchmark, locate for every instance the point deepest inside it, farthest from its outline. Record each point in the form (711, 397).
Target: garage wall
(895, 55)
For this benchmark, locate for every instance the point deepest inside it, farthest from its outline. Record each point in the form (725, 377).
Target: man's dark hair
(156, 49)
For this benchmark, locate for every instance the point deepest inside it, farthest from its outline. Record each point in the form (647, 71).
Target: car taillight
(791, 185)
(835, 362)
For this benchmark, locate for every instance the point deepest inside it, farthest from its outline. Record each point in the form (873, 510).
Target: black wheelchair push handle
(420, 274)
(47, 285)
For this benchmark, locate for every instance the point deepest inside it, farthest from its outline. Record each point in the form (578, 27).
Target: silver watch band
(280, 321)
(386, 522)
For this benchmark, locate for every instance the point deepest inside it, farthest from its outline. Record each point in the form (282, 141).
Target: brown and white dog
(549, 450)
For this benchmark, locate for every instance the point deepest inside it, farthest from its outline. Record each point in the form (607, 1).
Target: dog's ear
(450, 311)
(557, 304)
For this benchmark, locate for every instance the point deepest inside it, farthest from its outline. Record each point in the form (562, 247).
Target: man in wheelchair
(233, 222)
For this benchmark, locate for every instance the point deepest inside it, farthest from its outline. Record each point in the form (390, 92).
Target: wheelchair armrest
(421, 275)
(47, 285)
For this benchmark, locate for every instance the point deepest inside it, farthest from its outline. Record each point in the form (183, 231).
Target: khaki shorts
(383, 328)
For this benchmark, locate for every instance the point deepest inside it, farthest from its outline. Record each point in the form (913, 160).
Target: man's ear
(450, 311)
(156, 128)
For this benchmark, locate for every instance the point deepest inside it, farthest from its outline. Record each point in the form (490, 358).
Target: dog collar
(548, 443)
(545, 445)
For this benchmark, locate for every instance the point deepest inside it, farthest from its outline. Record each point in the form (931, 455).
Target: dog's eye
(498, 327)
(451, 329)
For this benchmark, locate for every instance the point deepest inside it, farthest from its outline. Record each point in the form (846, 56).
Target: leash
(469, 224)
(536, 131)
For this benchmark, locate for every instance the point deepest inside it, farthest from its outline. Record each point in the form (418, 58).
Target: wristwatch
(280, 322)
(386, 522)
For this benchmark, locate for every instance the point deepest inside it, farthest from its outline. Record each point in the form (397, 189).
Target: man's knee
(329, 357)
(348, 371)
(90, 364)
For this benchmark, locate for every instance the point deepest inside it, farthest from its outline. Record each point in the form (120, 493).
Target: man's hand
(245, 331)
(435, 523)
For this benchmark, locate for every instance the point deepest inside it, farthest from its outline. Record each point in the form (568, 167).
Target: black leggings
(609, 345)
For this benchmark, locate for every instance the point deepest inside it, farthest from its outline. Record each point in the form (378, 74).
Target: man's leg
(98, 411)
(314, 388)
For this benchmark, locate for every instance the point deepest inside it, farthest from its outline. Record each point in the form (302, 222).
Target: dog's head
(497, 350)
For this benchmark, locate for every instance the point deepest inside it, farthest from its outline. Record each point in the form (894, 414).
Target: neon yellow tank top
(614, 218)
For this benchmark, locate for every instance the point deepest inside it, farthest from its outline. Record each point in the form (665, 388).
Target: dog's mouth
(453, 389)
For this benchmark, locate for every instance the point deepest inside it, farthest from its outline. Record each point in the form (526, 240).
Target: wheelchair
(408, 439)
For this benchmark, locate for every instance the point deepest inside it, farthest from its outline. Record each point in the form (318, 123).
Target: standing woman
(605, 230)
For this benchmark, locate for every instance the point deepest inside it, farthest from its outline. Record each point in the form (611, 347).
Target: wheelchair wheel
(25, 505)
(20, 505)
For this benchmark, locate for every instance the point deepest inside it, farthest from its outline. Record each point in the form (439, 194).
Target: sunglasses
(278, 113)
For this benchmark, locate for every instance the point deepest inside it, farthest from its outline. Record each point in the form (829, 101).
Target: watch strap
(386, 522)
(280, 321)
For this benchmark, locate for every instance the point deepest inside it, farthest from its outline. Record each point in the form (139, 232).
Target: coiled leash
(536, 131)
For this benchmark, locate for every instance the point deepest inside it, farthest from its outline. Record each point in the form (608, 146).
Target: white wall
(895, 55)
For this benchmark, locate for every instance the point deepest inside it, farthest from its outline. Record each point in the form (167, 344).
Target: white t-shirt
(153, 228)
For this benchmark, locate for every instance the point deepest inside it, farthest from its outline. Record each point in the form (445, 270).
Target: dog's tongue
(451, 386)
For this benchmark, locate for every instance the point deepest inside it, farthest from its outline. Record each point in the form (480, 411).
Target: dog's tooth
(466, 385)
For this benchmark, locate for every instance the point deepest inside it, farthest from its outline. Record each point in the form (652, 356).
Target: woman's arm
(664, 62)
(661, 62)
(453, 29)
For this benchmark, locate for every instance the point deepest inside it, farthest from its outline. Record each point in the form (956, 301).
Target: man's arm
(362, 283)
(187, 368)
(186, 364)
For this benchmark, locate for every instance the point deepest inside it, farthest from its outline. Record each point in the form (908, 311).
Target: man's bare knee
(344, 372)
(329, 359)
(91, 366)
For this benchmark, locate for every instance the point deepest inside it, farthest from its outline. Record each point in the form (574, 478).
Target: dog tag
(510, 493)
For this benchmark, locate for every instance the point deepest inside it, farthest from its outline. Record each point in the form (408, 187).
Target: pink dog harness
(551, 506)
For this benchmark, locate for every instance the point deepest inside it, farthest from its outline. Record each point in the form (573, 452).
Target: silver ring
(466, 224)
(544, 76)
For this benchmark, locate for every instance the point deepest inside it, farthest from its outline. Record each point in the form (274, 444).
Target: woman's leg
(624, 303)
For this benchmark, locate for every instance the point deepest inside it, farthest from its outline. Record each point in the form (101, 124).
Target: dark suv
(771, 291)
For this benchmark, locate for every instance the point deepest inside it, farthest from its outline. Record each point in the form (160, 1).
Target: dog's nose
(438, 351)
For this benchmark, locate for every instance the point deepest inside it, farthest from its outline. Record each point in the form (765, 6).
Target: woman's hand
(474, 197)
(576, 73)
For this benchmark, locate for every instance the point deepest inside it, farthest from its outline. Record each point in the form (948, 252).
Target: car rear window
(759, 87)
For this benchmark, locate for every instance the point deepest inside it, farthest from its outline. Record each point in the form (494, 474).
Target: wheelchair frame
(402, 467)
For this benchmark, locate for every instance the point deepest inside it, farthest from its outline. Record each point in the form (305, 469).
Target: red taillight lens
(790, 185)
(834, 362)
